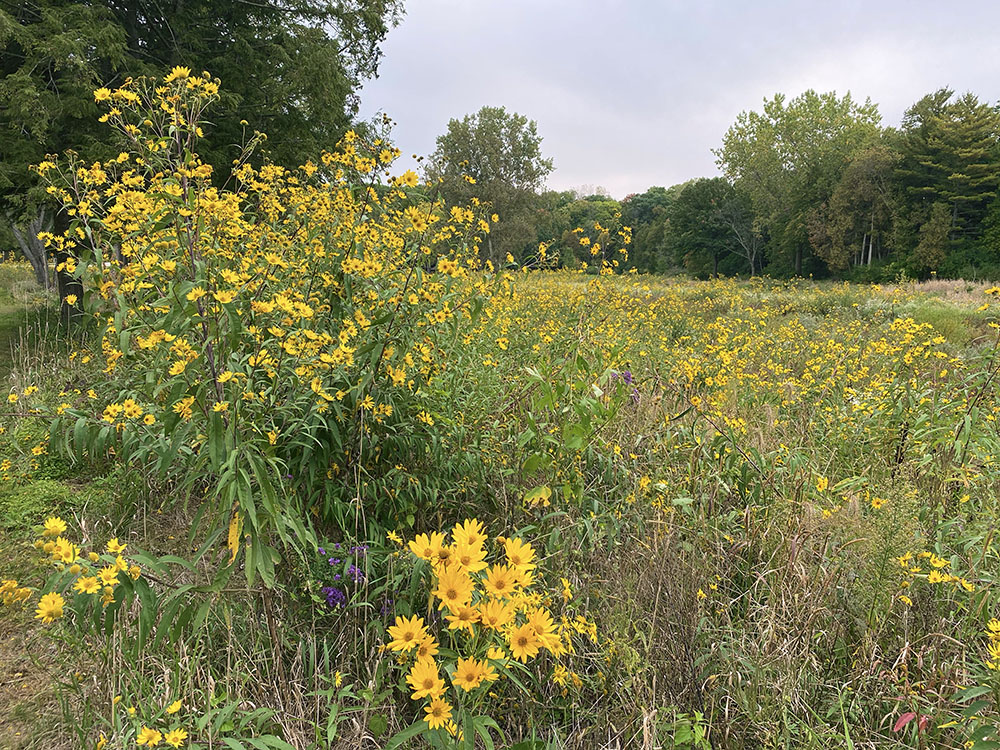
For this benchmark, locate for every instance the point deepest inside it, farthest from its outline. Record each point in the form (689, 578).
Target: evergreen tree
(951, 158)
(988, 252)
(932, 247)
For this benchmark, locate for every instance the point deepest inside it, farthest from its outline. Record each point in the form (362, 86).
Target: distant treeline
(813, 185)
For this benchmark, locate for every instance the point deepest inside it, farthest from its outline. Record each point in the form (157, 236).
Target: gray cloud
(629, 94)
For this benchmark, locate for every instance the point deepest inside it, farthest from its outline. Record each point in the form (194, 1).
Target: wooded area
(814, 185)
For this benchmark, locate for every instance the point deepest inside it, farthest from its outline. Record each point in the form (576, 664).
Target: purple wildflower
(334, 596)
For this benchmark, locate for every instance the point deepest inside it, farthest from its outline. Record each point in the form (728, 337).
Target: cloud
(633, 93)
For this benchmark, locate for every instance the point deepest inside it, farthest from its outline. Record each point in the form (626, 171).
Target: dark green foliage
(851, 229)
(54, 54)
(290, 69)
(988, 247)
(700, 237)
(647, 214)
(949, 158)
(930, 250)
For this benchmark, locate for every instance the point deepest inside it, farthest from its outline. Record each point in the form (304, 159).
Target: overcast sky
(633, 93)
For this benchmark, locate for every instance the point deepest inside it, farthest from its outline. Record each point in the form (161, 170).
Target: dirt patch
(27, 664)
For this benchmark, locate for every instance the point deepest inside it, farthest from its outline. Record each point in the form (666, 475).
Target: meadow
(305, 474)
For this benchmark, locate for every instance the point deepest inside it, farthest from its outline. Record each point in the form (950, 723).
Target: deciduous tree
(288, 67)
(788, 159)
(494, 155)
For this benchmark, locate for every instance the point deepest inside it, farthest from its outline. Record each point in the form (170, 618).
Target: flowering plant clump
(260, 339)
(483, 620)
(90, 576)
(11, 593)
(341, 571)
(150, 726)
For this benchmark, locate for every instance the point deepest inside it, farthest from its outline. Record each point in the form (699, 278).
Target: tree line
(810, 185)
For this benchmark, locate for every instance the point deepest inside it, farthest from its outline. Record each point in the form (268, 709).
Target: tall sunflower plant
(262, 339)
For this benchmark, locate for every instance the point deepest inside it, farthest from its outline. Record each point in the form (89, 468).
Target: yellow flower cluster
(490, 608)
(993, 644)
(150, 736)
(937, 573)
(91, 577)
(11, 593)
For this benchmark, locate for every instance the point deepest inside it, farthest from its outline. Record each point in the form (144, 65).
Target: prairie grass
(750, 485)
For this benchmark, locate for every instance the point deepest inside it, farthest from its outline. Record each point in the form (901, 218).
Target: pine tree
(967, 141)
(930, 251)
(950, 162)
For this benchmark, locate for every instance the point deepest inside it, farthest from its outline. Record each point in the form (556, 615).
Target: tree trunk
(798, 261)
(32, 248)
(871, 238)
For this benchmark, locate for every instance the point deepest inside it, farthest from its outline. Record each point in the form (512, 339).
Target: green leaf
(378, 724)
(971, 692)
(483, 725)
(975, 707)
(982, 733)
(271, 741)
(468, 733)
(416, 728)
(201, 614)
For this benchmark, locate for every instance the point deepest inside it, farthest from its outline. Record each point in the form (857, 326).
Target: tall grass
(748, 518)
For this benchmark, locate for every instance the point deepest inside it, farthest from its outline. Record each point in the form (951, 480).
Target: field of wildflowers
(305, 474)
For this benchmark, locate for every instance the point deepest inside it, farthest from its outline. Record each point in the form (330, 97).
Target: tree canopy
(290, 68)
(788, 159)
(495, 156)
